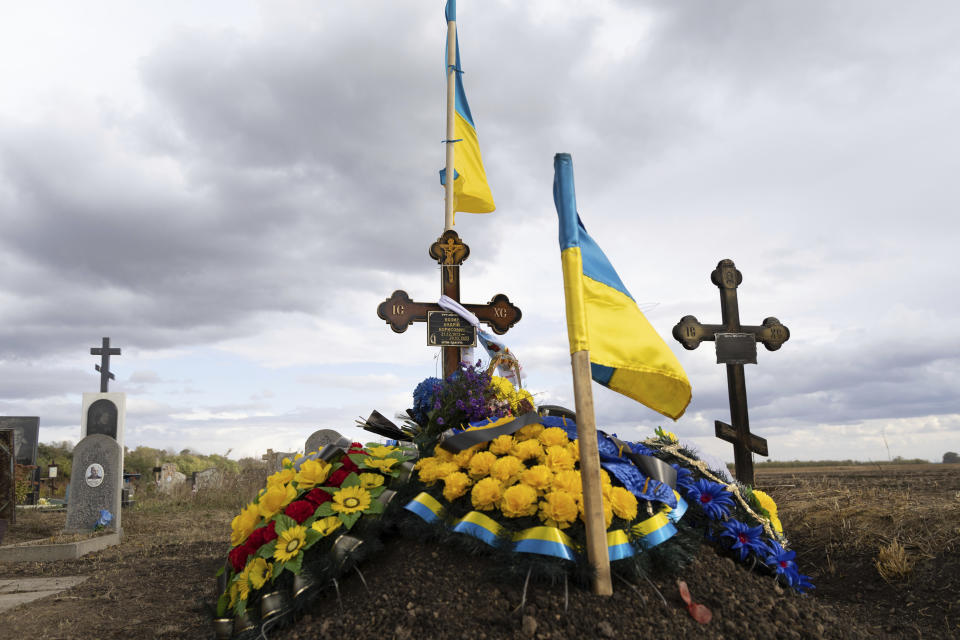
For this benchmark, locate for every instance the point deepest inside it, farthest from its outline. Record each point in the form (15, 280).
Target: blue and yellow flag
(626, 353)
(471, 193)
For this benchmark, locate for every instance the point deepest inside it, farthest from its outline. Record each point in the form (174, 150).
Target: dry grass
(888, 508)
(893, 563)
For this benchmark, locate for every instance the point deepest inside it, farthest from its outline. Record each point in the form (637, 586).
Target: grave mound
(499, 495)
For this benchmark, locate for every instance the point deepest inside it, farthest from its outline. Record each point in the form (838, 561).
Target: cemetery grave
(154, 584)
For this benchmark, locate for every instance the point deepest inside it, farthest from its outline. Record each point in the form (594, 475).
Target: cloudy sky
(229, 189)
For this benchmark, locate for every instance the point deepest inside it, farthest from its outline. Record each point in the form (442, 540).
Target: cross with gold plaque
(736, 346)
(444, 328)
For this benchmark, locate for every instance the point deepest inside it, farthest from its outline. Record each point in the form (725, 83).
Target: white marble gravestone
(95, 483)
(104, 413)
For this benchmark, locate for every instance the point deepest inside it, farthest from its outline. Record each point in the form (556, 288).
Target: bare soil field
(881, 544)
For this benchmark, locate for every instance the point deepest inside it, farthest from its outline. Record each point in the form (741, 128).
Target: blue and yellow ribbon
(479, 526)
(546, 541)
(427, 507)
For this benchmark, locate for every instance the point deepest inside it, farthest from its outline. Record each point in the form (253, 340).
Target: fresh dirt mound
(415, 590)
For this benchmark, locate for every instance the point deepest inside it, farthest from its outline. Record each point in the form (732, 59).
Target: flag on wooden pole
(471, 193)
(626, 353)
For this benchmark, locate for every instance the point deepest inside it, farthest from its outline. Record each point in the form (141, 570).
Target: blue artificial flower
(803, 583)
(103, 520)
(423, 397)
(745, 538)
(684, 477)
(713, 497)
(781, 561)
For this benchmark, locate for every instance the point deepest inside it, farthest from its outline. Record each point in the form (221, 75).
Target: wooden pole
(596, 525)
(451, 108)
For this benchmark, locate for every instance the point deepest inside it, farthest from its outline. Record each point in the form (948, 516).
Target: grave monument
(95, 484)
(736, 346)
(104, 412)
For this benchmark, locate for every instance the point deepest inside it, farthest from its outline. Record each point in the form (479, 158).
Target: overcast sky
(229, 189)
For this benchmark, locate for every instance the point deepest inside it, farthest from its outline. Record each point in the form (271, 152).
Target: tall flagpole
(451, 107)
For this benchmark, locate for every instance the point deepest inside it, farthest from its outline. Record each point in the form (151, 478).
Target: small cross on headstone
(104, 367)
(399, 311)
(736, 345)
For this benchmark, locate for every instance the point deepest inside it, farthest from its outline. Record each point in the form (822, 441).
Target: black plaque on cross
(399, 311)
(104, 351)
(736, 345)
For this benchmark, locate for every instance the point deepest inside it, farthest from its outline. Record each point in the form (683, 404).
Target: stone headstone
(95, 484)
(104, 413)
(26, 432)
(319, 439)
(274, 459)
(170, 476)
(208, 479)
(8, 496)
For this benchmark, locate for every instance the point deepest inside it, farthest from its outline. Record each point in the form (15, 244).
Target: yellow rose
(284, 476)
(527, 450)
(243, 525)
(554, 436)
(507, 469)
(529, 431)
(568, 480)
(518, 501)
(275, 498)
(486, 494)
(623, 502)
(558, 509)
(312, 473)
(558, 458)
(538, 476)
(480, 464)
(455, 485)
(501, 445)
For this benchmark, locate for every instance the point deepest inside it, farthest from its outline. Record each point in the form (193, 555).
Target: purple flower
(439, 420)
(713, 497)
(745, 538)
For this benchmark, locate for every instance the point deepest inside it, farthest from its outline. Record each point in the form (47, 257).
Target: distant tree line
(143, 459)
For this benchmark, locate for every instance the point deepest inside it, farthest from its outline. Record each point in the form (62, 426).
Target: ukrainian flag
(471, 193)
(626, 353)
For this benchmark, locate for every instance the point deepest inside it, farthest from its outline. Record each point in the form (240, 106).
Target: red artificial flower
(263, 535)
(338, 476)
(239, 556)
(357, 446)
(300, 510)
(349, 465)
(318, 496)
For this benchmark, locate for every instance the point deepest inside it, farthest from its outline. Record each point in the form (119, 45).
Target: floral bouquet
(493, 473)
(300, 518)
(512, 480)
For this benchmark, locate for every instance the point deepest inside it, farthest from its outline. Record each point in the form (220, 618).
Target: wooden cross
(736, 345)
(399, 311)
(104, 367)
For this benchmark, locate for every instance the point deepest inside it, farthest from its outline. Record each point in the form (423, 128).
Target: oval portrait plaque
(94, 475)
